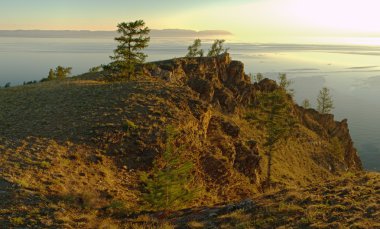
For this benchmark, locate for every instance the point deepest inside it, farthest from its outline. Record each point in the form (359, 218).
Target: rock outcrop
(218, 80)
(60, 139)
(223, 83)
(327, 127)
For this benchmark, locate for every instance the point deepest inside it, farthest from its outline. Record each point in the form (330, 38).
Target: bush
(95, 69)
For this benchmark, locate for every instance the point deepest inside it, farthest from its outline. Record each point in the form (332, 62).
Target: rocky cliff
(223, 83)
(58, 140)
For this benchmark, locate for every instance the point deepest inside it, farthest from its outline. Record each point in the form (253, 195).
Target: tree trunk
(268, 179)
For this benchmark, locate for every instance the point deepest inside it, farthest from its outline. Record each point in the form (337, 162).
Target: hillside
(71, 151)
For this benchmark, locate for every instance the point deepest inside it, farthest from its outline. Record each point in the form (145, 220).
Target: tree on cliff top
(284, 83)
(134, 38)
(217, 48)
(258, 77)
(195, 50)
(325, 102)
(306, 104)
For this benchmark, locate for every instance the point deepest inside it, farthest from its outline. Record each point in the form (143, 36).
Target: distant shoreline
(108, 34)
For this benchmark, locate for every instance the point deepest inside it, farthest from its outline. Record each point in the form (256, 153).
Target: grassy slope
(349, 201)
(67, 145)
(69, 154)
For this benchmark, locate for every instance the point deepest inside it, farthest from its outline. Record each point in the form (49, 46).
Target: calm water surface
(351, 72)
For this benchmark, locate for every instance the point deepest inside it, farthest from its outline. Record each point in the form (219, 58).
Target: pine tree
(325, 102)
(167, 186)
(306, 104)
(285, 84)
(217, 48)
(134, 38)
(194, 49)
(278, 121)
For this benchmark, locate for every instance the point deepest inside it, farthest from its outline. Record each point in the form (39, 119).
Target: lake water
(352, 72)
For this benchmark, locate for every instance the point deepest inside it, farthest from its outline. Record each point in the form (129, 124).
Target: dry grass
(338, 203)
(70, 153)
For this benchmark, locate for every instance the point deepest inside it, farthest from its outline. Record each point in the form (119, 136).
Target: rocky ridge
(86, 134)
(224, 84)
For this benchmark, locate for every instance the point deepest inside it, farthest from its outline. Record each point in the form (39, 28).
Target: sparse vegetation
(168, 185)
(195, 50)
(59, 73)
(336, 147)
(217, 48)
(285, 84)
(30, 82)
(95, 69)
(258, 77)
(17, 221)
(62, 72)
(128, 125)
(94, 154)
(306, 104)
(324, 101)
(277, 119)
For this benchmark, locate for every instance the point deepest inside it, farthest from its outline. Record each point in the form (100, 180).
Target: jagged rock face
(237, 153)
(223, 83)
(218, 80)
(326, 126)
(351, 157)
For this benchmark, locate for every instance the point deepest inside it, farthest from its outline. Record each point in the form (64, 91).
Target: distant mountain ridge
(106, 34)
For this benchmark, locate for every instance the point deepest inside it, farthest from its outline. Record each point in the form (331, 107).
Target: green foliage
(7, 85)
(134, 38)
(278, 117)
(217, 48)
(167, 185)
(195, 50)
(258, 77)
(128, 125)
(59, 73)
(95, 69)
(30, 82)
(306, 104)
(278, 121)
(285, 84)
(62, 72)
(117, 207)
(17, 221)
(45, 165)
(325, 102)
(51, 75)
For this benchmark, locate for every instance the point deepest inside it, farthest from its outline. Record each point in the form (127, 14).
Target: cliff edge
(60, 139)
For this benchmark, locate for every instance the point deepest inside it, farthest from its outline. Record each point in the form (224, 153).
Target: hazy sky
(251, 20)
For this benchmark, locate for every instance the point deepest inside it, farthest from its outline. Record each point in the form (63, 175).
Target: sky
(248, 20)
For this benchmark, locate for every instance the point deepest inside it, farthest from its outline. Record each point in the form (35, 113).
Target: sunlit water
(351, 72)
